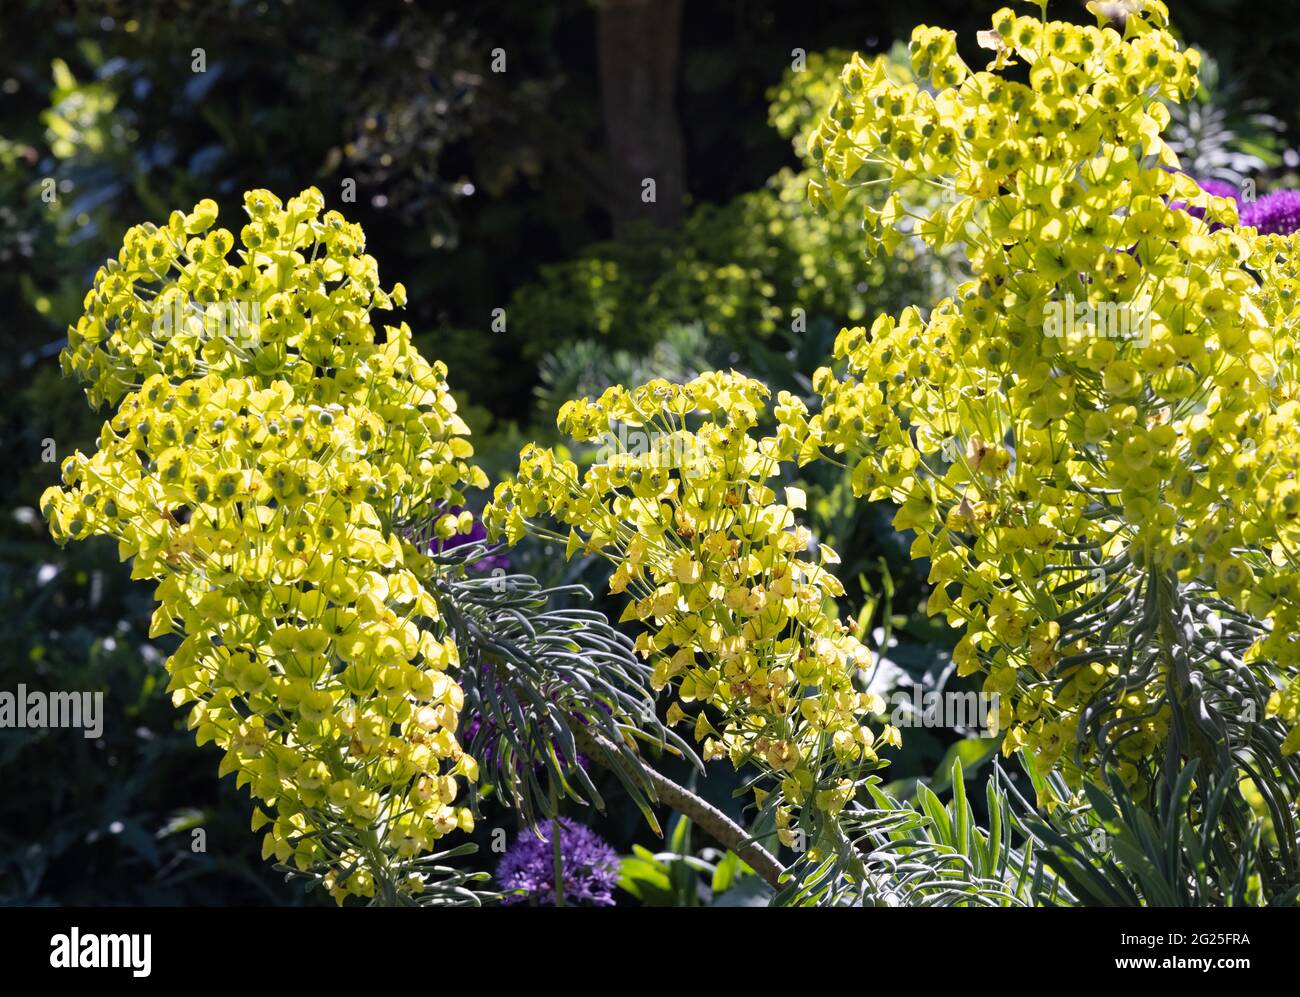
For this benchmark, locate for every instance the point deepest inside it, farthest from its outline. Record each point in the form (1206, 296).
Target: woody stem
(699, 811)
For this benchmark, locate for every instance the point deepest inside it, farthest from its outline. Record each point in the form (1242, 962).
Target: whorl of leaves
(1193, 848)
(922, 854)
(1217, 703)
(534, 670)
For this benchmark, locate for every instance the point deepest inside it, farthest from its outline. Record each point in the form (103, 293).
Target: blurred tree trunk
(639, 42)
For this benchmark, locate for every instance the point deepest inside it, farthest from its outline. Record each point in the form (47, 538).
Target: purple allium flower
(1277, 213)
(589, 865)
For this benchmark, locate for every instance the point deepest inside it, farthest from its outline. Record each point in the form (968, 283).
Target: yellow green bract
(1010, 440)
(734, 609)
(264, 445)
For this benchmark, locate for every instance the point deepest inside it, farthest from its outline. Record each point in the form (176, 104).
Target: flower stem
(557, 852)
(704, 815)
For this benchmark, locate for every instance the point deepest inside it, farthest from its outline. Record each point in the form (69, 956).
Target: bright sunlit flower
(265, 442)
(1112, 394)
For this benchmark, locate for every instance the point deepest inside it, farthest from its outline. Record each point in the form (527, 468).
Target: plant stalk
(671, 794)
(557, 851)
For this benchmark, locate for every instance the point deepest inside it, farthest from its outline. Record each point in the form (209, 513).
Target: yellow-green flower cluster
(735, 610)
(1269, 453)
(1114, 378)
(265, 444)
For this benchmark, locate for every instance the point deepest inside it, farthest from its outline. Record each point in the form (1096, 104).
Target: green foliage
(583, 368)
(760, 266)
(1190, 850)
(921, 854)
(535, 670)
(107, 820)
(680, 877)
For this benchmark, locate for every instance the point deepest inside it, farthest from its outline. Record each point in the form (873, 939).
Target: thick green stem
(704, 815)
(557, 852)
(1184, 694)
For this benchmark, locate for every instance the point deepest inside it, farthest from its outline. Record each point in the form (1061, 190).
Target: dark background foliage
(480, 190)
